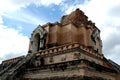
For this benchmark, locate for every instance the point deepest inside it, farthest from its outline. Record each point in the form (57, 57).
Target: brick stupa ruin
(67, 50)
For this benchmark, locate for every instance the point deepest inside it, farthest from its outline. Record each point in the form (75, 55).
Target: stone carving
(42, 31)
(42, 36)
(51, 59)
(77, 55)
(38, 39)
(94, 36)
(63, 58)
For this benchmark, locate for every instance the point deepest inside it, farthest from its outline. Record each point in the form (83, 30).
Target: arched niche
(36, 43)
(37, 40)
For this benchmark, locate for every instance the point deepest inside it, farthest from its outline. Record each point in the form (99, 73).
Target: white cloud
(105, 13)
(11, 5)
(47, 2)
(13, 9)
(23, 16)
(12, 42)
(1, 21)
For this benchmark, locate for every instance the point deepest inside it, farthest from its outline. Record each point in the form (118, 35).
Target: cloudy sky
(18, 18)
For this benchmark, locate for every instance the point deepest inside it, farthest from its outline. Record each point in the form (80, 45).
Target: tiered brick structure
(69, 50)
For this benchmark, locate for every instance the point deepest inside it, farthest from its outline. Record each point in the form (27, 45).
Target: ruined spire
(77, 17)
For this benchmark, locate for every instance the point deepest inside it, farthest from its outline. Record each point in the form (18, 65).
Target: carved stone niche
(51, 59)
(37, 61)
(63, 58)
(37, 40)
(95, 37)
(77, 55)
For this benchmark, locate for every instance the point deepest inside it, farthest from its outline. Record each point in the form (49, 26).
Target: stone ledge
(70, 78)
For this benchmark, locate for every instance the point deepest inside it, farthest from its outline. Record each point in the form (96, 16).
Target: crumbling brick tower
(69, 50)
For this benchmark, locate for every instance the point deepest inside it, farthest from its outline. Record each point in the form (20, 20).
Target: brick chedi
(67, 50)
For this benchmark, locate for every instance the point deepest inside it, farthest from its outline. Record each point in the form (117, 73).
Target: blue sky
(18, 18)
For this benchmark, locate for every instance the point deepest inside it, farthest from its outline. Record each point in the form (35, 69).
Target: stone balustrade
(67, 47)
(12, 60)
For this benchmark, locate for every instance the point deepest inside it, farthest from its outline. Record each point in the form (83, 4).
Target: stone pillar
(30, 46)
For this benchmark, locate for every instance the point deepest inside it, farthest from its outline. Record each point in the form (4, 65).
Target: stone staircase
(12, 70)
